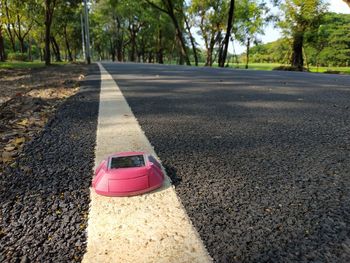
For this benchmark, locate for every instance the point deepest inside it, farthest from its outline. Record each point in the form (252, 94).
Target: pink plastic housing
(130, 180)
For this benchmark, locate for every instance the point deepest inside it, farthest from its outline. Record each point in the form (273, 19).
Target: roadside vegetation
(325, 48)
(167, 31)
(30, 94)
(275, 66)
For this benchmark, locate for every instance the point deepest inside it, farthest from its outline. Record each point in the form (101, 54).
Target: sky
(272, 34)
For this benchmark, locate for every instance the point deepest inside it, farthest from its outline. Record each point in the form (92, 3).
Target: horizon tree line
(154, 31)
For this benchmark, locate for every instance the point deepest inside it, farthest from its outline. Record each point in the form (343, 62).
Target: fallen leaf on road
(9, 148)
(19, 140)
(7, 157)
(23, 122)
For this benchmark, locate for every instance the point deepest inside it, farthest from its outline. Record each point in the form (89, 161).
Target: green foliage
(301, 15)
(16, 64)
(251, 18)
(274, 52)
(210, 17)
(330, 43)
(17, 56)
(145, 31)
(327, 45)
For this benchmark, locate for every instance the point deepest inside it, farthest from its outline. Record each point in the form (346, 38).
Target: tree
(49, 11)
(2, 42)
(251, 18)
(63, 26)
(18, 17)
(2, 45)
(170, 8)
(110, 22)
(317, 40)
(209, 16)
(334, 38)
(300, 16)
(192, 40)
(223, 50)
(6, 11)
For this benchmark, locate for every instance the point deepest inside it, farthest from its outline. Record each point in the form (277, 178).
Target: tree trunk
(70, 57)
(119, 41)
(209, 61)
(120, 53)
(19, 34)
(160, 48)
(210, 49)
(297, 56)
(8, 27)
(2, 46)
(11, 37)
(133, 47)
(192, 42)
(21, 45)
(248, 48)
(112, 48)
(306, 60)
(56, 49)
(49, 9)
(30, 56)
(75, 54)
(223, 54)
(47, 45)
(178, 31)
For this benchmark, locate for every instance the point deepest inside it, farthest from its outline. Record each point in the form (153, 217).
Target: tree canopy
(326, 45)
(170, 31)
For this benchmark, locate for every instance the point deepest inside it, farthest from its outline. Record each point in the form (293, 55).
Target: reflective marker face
(127, 162)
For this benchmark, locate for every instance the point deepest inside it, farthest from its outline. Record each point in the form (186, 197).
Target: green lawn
(257, 66)
(341, 70)
(271, 66)
(21, 64)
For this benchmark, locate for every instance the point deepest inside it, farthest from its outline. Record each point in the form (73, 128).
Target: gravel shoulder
(44, 194)
(29, 98)
(261, 160)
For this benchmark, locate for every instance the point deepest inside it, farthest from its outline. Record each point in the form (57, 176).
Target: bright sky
(272, 34)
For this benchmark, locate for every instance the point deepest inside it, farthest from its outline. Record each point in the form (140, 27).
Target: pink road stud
(127, 174)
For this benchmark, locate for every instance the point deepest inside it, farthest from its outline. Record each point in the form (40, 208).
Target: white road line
(153, 227)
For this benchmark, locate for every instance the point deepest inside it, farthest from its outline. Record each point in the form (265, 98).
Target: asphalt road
(260, 160)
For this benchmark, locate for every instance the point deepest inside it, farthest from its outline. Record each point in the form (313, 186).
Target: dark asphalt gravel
(44, 199)
(261, 160)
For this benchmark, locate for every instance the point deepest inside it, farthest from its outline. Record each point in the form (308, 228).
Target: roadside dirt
(28, 98)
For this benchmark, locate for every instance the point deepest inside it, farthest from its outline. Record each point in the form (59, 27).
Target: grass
(24, 65)
(342, 70)
(271, 66)
(257, 66)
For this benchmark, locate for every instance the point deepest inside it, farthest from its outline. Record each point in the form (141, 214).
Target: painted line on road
(153, 227)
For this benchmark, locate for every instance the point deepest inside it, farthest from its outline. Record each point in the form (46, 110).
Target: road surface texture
(260, 160)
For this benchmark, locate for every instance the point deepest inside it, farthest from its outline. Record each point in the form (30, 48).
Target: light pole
(88, 58)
